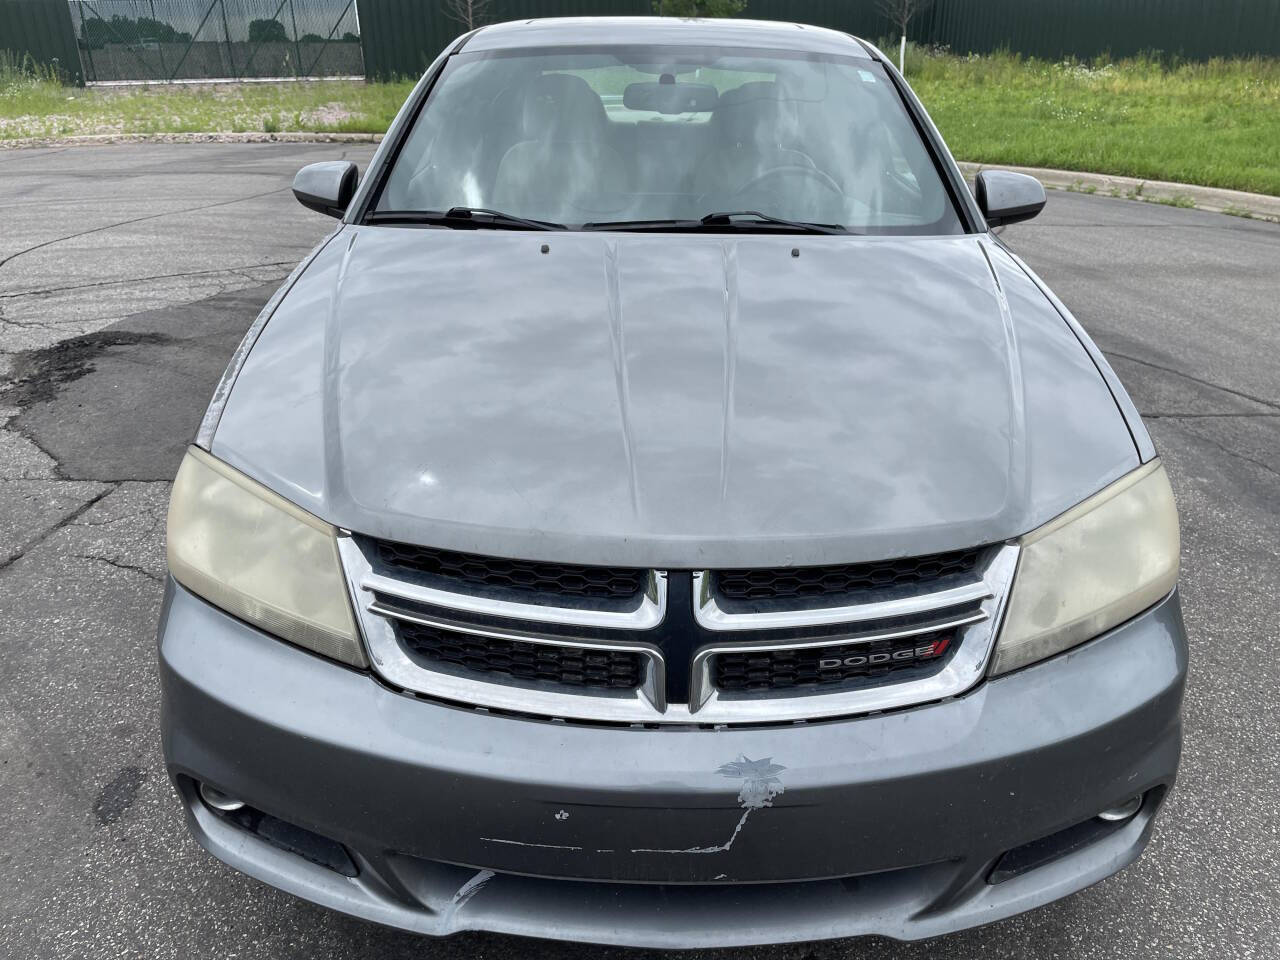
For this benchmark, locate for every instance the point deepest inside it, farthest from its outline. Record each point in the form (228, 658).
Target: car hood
(673, 400)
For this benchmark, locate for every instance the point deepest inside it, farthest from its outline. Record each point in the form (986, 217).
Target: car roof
(605, 31)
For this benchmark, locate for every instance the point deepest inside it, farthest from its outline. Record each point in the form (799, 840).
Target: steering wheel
(792, 169)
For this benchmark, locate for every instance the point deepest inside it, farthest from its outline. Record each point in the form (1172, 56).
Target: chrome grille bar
(384, 596)
(976, 632)
(377, 616)
(644, 616)
(711, 616)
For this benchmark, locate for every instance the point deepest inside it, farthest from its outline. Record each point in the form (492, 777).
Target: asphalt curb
(1257, 206)
(1215, 199)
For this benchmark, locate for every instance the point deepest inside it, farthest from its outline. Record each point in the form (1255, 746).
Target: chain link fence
(405, 35)
(176, 40)
(173, 40)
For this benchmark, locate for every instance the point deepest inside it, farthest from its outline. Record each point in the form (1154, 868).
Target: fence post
(88, 47)
(159, 43)
(297, 50)
(226, 33)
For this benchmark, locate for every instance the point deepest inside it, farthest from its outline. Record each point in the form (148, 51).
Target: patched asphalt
(127, 275)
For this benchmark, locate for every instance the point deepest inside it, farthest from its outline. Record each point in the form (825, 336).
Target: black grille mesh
(793, 582)
(570, 666)
(786, 669)
(525, 575)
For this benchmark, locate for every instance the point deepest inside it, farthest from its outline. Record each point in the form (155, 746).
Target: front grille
(620, 645)
(816, 666)
(565, 580)
(787, 583)
(577, 667)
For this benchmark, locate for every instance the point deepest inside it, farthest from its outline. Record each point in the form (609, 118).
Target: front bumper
(459, 819)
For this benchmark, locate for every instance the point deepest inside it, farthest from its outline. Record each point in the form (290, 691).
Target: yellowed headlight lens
(259, 557)
(1091, 569)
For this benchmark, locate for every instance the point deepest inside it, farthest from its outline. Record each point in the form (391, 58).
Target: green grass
(32, 104)
(1215, 123)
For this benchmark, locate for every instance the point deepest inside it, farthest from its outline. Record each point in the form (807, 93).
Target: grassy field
(32, 105)
(1216, 124)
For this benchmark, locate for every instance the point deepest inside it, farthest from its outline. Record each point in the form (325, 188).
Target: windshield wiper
(465, 217)
(800, 226)
(714, 222)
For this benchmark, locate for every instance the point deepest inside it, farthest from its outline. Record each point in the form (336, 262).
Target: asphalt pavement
(127, 275)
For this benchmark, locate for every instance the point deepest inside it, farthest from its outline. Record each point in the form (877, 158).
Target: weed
(21, 70)
(1231, 210)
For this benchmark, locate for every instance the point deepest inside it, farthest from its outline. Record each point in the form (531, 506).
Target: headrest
(559, 106)
(753, 113)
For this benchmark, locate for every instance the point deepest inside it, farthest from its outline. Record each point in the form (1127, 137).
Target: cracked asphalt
(128, 273)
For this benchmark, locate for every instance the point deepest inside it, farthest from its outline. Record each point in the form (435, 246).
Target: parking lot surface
(127, 275)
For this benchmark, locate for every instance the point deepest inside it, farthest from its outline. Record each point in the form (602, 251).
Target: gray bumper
(462, 820)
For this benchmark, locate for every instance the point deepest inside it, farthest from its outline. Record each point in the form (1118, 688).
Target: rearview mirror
(670, 97)
(326, 187)
(1005, 197)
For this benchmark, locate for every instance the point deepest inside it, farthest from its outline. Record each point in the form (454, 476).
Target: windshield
(619, 136)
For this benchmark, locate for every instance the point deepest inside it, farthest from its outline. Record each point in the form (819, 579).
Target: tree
(699, 8)
(469, 13)
(161, 32)
(900, 13)
(96, 33)
(267, 31)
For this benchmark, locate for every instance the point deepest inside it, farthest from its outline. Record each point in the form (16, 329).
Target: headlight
(259, 557)
(1096, 566)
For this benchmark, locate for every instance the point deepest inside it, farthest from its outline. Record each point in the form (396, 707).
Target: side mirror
(1005, 197)
(326, 187)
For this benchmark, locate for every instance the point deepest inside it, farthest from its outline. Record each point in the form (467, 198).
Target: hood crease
(622, 385)
(335, 485)
(1019, 452)
(730, 364)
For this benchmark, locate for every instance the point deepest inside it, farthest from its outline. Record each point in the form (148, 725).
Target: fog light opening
(1123, 812)
(1037, 853)
(219, 800)
(282, 834)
